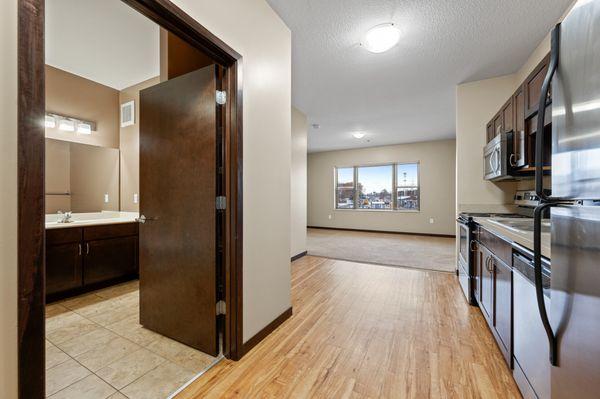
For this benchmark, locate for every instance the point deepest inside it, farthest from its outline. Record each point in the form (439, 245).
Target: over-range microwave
(497, 155)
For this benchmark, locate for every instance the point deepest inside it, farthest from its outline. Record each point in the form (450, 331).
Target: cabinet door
(519, 141)
(490, 131)
(507, 116)
(498, 125)
(533, 87)
(109, 259)
(487, 284)
(476, 258)
(63, 267)
(503, 296)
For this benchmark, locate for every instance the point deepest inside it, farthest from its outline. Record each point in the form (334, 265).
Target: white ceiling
(408, 93)
(102, 40)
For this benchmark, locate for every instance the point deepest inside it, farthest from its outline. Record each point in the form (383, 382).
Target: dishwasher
(531, 365)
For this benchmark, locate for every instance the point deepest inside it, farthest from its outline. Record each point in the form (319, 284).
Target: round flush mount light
(381, 38)
(358, 135)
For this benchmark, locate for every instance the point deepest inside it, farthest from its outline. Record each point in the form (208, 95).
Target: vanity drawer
(502, 249)
(63, 235)
(110, 231)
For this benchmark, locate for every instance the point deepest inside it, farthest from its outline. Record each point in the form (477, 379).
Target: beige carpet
(421, 252)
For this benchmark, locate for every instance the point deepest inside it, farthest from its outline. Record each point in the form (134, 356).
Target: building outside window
(373, 187)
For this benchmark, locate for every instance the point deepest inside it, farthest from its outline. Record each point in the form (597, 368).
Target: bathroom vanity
(92, 251)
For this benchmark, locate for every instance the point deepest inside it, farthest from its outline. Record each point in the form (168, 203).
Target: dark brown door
(177, 197)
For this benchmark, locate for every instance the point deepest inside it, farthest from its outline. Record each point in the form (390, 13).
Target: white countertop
(91, 219)
(519, 231)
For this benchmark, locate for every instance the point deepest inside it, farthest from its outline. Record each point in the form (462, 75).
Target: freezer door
(576, 105)
(575, 305)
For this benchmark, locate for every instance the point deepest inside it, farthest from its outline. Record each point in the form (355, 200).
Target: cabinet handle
(513, 160)
(87, 248)
(79, 245)
(473, 245)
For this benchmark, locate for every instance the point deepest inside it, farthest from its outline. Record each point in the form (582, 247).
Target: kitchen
(530, 265)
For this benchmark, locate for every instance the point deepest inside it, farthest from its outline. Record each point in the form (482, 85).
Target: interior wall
(254, 30)
(71, 95)
(129, 143)
(437, 160)
(476, 103)
(299, 182)
(58, 176)
(8, 200)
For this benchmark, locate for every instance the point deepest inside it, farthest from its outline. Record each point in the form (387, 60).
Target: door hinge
(221, 308)
(221, 97)
(221, 202)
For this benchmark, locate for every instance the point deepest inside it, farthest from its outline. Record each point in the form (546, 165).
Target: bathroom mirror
(81, 178)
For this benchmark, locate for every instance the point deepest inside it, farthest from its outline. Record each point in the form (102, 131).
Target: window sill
(379, 210)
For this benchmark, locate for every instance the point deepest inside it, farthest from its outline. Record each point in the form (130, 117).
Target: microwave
(496, 157)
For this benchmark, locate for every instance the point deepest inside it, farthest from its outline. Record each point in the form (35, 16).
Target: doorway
(32, 146)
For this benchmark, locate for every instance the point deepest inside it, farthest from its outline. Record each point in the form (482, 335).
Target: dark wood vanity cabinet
(84, 258)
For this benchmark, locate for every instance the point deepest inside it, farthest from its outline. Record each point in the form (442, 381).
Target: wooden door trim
(31, 203)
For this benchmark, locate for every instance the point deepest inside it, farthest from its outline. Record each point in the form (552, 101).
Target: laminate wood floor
(367, 331)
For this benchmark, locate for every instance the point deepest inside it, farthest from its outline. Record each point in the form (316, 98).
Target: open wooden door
(177, 200)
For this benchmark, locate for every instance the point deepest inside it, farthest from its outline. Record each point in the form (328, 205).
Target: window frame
(395, 187)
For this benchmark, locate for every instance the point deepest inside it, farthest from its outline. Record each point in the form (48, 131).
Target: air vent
(128, 113)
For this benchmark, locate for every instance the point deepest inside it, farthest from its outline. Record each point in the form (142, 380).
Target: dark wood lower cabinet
(75, 263)
(64, 267)
(487, 284)
(503, 308)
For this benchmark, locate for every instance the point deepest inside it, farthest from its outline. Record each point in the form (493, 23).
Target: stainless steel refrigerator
(572, 321)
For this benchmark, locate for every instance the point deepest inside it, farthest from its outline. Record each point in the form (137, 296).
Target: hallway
(368, 331)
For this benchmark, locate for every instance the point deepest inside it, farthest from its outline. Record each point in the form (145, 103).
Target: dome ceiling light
(381, 38)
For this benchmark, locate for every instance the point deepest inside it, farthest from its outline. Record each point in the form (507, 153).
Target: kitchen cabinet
(490, 132)
(507, 116)
(498, 124)
(519, 158)
(503, 308)
(533, 87)
(487, 284)
(80, 259)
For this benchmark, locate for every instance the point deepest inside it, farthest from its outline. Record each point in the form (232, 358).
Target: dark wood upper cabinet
(533, 87)
(490, 131)
(507, 116)
(498, 124)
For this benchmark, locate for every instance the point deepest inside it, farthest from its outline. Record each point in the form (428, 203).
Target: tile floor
(96, 349)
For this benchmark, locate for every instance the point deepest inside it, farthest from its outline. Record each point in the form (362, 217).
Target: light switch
(136, 198)
(106, 198)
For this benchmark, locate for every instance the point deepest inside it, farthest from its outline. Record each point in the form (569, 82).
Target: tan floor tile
(62, 319)
(117, 395)
(104, 355)
(75, 328)
(119, 290)
(166, 347)
(128, 369)
(63, 375)
(54, 356)
(158, 383)
(86, 342)
(193, 360)
(55, 309)
(91, 387)
(131, 329)
(82, 301)
(120, 312)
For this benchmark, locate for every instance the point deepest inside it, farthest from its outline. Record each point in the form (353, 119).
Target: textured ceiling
(408, 93)
(102, 40)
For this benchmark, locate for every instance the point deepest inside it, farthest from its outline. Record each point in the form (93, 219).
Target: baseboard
(300, 255)
(383, 231)
(262, 334)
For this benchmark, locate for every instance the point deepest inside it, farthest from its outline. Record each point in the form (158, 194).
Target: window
(345, 188)
(383, 187)
(375, 187)
(407, 186)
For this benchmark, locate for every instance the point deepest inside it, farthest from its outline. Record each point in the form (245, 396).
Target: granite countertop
(91, 219)
(519, 231)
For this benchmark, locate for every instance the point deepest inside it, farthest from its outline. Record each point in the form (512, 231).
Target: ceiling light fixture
(358, 135)
(381, 38)
(84, 128)
(67, 125)
(50, 122)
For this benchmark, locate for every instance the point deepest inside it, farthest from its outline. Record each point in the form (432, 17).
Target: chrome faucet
(66, 217)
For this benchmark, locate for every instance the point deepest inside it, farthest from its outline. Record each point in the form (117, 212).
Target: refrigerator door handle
(539, 289)
(539, 137)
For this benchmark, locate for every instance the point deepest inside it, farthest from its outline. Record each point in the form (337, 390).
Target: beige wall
(476, 104)
(436, 160)
(129, 143)
(298, 182)
(8, 200)
(77, 97)
(254, 30)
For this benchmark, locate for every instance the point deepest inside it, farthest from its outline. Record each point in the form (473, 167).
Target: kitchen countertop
(91, 219)
(519, 231)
